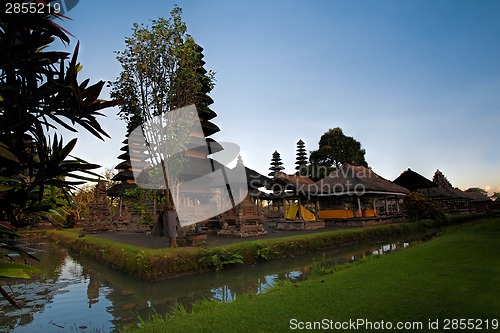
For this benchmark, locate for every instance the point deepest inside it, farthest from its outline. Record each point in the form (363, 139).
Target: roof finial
(239, 162)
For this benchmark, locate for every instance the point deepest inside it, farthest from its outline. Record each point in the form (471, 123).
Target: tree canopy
(162, 71)
(335, 149)
(478, 190)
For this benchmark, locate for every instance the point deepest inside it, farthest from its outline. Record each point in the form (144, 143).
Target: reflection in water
(77, 294)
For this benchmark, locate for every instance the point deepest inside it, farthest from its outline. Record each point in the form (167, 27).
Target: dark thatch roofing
(477, 197)
(256, 179)
(444, 192)
(460, 194)
(209, 128)
(119, 189)
(124, 156)
(413, 181)
(253, 180)
(351, 179)
(123, 175)
(124, 165)
(297, 180)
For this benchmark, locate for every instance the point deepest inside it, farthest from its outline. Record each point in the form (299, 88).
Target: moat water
(75, 294)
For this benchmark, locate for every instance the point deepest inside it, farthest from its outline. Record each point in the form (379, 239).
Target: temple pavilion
(355, 192)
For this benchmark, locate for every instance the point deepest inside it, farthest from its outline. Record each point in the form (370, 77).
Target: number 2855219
(31, 8)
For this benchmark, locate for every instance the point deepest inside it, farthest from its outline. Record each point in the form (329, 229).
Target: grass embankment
(454, 276)
(157, 264)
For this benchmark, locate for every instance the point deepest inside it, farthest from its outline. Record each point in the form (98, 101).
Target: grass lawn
(454, 276)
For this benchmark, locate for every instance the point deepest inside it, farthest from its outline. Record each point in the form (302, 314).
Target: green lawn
(454, 276)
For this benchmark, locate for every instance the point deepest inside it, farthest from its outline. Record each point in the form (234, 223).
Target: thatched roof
(460, 194)
(350, 179)
(413, 181)
(292, 179)
(477, 197)
(124, 165)
(444, 192)
(124, 156)
(123, 175)
(256, 179)
(119, 189)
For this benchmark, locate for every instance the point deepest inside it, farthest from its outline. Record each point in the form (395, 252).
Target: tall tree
(276, 164)
(335, 149)
(162, 70)
(301, 159)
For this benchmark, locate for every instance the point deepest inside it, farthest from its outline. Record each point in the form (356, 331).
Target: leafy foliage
(335, 149)
(478, 190)
(417, 207)
(160, 73)
(264, 253)
(140, 201)
(8, 267)
(321, 267)
(39, 91)
(218, 259)
(162, 70)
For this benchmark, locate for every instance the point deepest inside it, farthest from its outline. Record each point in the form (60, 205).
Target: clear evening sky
(416, 82)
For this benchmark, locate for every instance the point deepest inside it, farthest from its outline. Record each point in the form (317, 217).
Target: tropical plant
(264, 253)
(8, 266)
(40, 92)
(218, 259)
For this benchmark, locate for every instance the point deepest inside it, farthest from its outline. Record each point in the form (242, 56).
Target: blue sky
(416, 82)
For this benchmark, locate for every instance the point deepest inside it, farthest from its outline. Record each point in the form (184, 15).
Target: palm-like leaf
(39, 90)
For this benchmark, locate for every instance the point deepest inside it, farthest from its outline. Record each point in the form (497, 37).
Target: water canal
(75, 294)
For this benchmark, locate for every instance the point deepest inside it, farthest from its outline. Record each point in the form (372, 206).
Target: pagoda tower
(276, 164)
(301, 159)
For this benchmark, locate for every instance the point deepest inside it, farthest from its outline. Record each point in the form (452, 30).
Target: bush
(419, 207)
